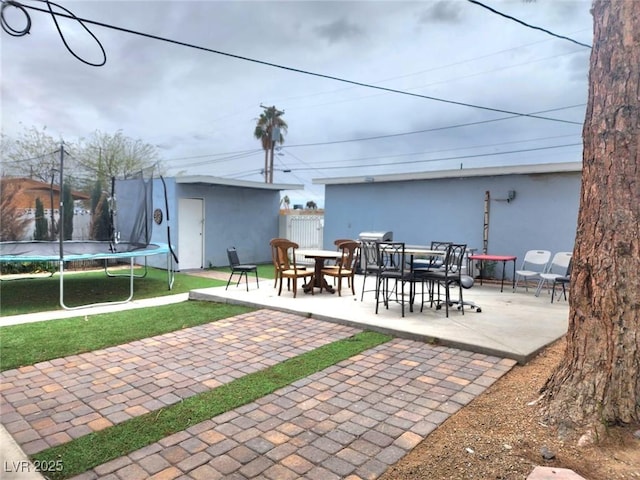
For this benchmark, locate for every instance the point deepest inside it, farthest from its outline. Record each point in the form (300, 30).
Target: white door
(190, 233)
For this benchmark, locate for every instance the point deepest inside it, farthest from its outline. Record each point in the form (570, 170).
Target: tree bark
(598, 381)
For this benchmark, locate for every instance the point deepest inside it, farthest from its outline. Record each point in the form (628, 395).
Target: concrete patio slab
(512, 325)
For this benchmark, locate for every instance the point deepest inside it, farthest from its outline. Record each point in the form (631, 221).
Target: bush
(13, 268)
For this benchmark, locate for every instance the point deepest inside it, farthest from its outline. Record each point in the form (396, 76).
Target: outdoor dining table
(319, 256)
(423, 251)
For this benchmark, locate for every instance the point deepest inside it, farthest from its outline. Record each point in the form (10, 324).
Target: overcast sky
(199, 108)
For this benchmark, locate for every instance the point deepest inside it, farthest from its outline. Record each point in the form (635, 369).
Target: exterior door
(190, 233)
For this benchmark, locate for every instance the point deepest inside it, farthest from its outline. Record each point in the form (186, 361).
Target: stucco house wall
(236, 213)
(449, 206)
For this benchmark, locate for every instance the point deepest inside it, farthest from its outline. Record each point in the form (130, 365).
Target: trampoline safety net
(133, 218)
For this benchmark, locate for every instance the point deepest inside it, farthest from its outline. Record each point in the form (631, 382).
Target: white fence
(81, 223)
(306, 230)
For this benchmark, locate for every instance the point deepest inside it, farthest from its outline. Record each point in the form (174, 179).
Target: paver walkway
(354, 419)
(53, 402)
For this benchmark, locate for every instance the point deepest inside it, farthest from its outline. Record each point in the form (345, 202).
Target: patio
(510, 325)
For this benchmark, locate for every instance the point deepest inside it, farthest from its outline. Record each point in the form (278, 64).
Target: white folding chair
(534, 263)
(557, 268)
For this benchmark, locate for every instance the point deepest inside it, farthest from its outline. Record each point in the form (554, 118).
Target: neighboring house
(28, 190)
(207, 215)
(527, 207)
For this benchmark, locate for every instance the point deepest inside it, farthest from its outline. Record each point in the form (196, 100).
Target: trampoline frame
(108, 251)
(151, 249)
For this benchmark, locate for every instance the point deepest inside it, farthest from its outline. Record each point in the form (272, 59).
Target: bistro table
(423, 251)
(318, 280)
(485, 257)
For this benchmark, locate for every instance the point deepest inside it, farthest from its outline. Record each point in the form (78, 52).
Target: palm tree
(270, 129)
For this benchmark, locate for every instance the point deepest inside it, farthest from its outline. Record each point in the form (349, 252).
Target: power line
(412, 154)
(37, 157)
(435, 129)
(282, 67)
(240, 152)
(218, 160)
(413, 162)
(475, 2)
(461, 157)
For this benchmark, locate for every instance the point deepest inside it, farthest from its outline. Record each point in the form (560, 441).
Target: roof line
(526, 169)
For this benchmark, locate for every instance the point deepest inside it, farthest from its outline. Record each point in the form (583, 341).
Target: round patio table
(319, 256)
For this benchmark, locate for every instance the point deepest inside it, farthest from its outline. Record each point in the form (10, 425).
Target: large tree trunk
(598, 381)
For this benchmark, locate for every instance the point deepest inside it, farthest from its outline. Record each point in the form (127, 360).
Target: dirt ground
(500, 436)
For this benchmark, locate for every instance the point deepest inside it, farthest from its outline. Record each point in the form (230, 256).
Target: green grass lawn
(42, 294)
(30, 343)
(265, 270)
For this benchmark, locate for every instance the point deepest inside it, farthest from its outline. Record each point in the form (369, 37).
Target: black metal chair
(450, 275)
(421, 266)
(394, 274)
(563, 281)
(369, 263)
(237, 267)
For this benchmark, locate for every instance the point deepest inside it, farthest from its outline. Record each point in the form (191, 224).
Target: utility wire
(209, 162)
(435, 129)
(37, 157)
(493, 10)
(286, 147)
(291, 69)
(492, 154)
(408, 162)
(326, 164)
(240, 152)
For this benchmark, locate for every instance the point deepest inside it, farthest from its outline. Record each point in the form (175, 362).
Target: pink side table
(485, 257)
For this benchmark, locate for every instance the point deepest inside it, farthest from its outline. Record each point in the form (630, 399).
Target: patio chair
(393, 275)
(238, 268)
(283, 253)
(337, 264)
(557, 268)
(563, 281)
(369, 261)
(346, 267)
(534, 263)
(449, 276)
(276, 265)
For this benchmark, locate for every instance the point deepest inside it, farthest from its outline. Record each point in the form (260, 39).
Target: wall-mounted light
(511, 195)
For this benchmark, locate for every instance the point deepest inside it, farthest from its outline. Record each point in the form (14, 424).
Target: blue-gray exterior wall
(543, 214)
(246, 218)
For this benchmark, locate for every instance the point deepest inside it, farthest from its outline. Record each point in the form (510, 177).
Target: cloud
(442, 12)
(196, 104)
(339, 30)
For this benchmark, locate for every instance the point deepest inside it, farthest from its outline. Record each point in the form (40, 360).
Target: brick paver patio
(53, 402)
(352, 420)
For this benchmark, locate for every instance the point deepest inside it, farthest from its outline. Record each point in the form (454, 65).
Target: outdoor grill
(376, 236)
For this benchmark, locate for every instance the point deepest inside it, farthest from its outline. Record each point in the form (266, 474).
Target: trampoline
(129, 237)
(32, 251)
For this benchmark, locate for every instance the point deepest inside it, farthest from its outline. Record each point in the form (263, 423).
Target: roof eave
(230, 182)
(457, 173)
